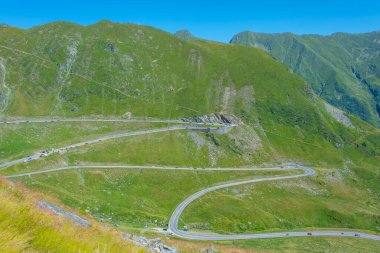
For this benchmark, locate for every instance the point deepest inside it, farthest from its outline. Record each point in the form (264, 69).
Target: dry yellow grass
(25, 227)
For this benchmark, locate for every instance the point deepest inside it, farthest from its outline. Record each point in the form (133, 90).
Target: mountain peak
(104, 22)
(186, 35)
(245, 37)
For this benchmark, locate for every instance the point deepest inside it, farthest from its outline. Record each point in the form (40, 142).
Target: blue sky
(209, 19)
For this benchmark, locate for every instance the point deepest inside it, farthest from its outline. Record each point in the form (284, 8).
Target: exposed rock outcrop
(154, 245)
(338, 115)
(80, 221)
(209, 250)
(216, 118)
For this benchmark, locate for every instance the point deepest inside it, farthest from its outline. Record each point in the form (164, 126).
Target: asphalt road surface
(52, 120)
(173, 223)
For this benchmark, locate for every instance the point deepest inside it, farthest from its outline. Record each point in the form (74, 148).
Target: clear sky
(209, 19)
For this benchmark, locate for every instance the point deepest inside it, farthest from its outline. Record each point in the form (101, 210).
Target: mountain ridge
(348, 80)
(111, 69)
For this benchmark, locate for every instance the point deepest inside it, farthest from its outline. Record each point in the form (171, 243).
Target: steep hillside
(341, 68)
(110, 69)
(26, 227)
(122, 70)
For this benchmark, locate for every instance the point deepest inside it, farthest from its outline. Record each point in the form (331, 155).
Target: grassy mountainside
(344, 196)
(341, 68)
(110, 69)
(114, 70)
(25, 227)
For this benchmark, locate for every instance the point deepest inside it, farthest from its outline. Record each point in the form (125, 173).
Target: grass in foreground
(24, 227)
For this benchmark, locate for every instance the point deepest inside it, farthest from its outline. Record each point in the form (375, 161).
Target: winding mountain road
(174, 220)
(173, 223)
(210, 128)
(135, 120)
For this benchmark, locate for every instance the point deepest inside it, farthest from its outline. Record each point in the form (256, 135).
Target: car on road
(309, 233)
(28, 159)
(357, 235)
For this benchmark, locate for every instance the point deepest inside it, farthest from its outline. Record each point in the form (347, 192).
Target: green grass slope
(111, 70)
(343, 195)
(25, 227)
(341, 68)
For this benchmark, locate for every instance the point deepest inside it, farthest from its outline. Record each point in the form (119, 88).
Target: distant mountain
(344, 69)
(186, 35)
